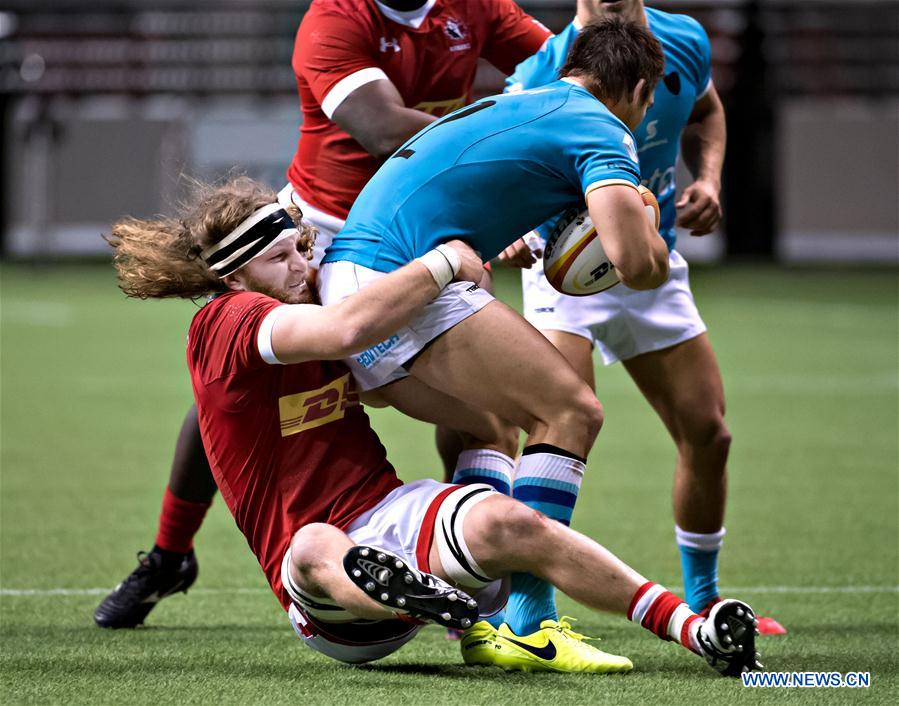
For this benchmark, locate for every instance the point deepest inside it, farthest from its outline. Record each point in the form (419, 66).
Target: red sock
(179, 521)
(665, 614)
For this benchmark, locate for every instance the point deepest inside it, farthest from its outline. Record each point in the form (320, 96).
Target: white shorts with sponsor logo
(326, 224)
(623, 322)
(405, 522)
(383, 362)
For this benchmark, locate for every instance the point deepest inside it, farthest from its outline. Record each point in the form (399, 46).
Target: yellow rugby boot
(482, 646)
(478, 644)
(555, 647)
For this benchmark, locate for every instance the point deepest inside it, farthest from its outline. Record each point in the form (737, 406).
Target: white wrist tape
(443, 263)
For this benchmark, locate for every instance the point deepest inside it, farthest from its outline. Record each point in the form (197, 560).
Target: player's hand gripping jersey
(486, 174)
(299, 447)
(687, 78)
(430, 56)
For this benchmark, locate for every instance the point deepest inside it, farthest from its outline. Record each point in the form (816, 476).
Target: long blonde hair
(161, 258)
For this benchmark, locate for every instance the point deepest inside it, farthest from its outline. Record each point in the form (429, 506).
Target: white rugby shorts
(622, 322)
(326, 224)
(383, 362)
(405, 523)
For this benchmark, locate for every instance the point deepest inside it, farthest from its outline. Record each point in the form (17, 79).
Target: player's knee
(707, 432)
(722, 438)
(507, 436)
(519, 524)
(503, 534)
(587, 412)
(496, 434)
(307, 547)
(579, 421)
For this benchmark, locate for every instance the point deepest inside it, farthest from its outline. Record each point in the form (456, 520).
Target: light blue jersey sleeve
(687, 77)
(602, 153)
(543, 67)
(697, 52)
(607, 157)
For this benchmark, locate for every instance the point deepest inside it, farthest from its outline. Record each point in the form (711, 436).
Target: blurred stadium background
(104, 103)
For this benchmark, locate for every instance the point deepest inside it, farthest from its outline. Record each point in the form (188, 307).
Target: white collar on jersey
(578, 25)
(410, 18)
(573, 80)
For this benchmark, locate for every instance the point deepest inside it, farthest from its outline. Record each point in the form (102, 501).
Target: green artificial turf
(94, 387)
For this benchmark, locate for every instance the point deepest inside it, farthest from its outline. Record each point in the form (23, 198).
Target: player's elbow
(351, 339)
(383, 148)
(359, 334)
(338, 341)
(647, 272)
(380, 140)
(653, 278)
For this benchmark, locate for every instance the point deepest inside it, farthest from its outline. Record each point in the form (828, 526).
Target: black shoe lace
(145, 569)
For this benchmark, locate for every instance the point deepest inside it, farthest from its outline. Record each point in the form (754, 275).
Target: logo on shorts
(368, 358)
(315, 408)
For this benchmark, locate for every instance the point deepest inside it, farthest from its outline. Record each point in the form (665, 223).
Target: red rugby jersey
(288, 444)
(342, 44)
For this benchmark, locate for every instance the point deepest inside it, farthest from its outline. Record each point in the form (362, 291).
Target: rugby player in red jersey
(359, 560)
(370, 74)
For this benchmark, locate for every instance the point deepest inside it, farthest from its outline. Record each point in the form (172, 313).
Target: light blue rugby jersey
(486, 174)
(687, 77)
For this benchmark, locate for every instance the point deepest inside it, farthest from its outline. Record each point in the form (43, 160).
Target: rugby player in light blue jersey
(658, 335)
(485, 172)
(485, 175)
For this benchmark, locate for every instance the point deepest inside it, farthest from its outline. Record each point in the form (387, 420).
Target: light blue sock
(485, 466)
(547, 482)
(699, 563)
(490, 467)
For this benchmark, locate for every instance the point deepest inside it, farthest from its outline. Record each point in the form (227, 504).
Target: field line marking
(42, 592)
(810, 589)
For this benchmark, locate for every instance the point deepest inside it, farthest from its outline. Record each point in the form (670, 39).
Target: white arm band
(264, 336)
(342, 89)
(443, 263)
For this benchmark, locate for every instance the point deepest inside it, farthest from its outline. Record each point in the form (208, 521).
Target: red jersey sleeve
(514, 36)
(331, 47)
(223, 338)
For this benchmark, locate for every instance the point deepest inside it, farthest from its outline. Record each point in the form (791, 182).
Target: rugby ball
(574, 262)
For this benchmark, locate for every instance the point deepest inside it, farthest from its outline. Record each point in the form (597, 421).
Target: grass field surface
(94, 388)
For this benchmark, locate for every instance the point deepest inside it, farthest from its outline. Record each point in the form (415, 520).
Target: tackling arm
(378, 119)
(638, 251)
(309, 332)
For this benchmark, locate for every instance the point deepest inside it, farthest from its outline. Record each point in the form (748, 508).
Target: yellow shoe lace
(592, 655)
(564, 627)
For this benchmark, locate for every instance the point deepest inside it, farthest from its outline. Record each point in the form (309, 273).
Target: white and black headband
(252, 237)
